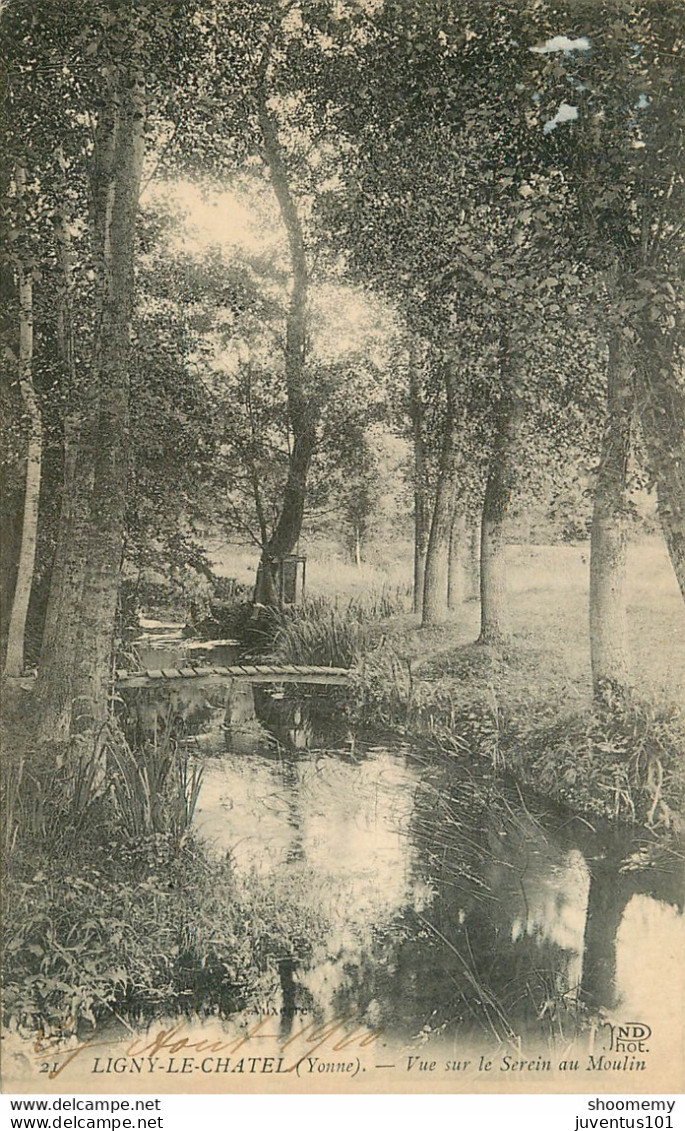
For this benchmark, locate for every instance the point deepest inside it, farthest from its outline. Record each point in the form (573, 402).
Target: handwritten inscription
(161, 1051)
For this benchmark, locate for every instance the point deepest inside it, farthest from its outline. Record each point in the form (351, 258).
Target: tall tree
(81, 80)
(75, 672)
(14, 661)
(302, 408)
(249, 110)
(418, 412)
(624, 159)
(497, 498)
(608, 544)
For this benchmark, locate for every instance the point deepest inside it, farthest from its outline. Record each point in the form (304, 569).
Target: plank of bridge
(171, 673)
(207, 645)
(187, 673)
(221, 670)
(154, 673)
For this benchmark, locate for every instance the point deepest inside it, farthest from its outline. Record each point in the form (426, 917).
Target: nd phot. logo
(632, 1036)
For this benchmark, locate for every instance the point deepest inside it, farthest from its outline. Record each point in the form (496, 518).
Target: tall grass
(155, 788)
(333, 633)
(623, 761)
(54, 798)
(116, 909)
(50, 796)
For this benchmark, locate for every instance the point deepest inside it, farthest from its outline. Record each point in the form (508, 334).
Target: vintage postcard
(343, 576)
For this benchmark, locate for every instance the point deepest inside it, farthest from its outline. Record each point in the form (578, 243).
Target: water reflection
(456, 907)
(452, 910)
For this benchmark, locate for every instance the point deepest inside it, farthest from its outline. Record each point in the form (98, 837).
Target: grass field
(549, 614)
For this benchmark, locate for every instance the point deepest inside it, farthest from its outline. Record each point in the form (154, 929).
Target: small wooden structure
(217, 675)
(290, 577)
(292, 574)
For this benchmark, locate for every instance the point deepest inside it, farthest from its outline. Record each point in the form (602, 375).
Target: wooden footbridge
(204, 675)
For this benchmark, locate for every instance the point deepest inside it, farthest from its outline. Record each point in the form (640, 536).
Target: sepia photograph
(342, 585)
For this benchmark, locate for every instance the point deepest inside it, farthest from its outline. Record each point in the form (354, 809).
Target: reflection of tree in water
(303, 718)
(519, 904)
(452, 907)
(613, 883)
(463, 962)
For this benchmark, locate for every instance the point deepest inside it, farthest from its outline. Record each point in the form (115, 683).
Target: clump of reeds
(154, 788)
(332, 633)
(116, 908)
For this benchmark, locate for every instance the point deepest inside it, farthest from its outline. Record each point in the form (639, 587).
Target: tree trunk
(661, 410)
(435, 586)
(421, 532)
(357, 552)
(302, 413)
(437, 556)
(494, 613)
(12, 490)
(608, 540)
(472, 563)
(59, 650)
(112, 438)
(457, 560)
(14, 658)
(76, 655)
(493, 569)
(421, 504)
(61, 624)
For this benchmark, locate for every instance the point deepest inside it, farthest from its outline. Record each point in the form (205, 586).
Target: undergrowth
(621, 758)
(116, 909)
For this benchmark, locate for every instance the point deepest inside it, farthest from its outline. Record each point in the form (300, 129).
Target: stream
(455, 906)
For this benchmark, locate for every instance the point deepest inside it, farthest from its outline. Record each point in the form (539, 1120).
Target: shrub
(185, 936)
(113, 906)
(622, 760)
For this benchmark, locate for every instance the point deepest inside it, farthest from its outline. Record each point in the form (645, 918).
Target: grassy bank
(527, 710)
(116, 910)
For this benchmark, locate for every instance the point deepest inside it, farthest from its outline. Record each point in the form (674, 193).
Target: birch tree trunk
(14, 657)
